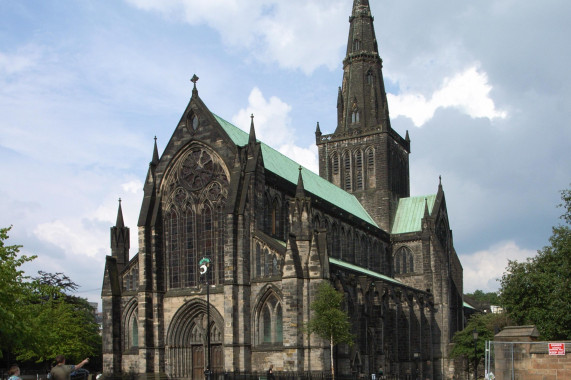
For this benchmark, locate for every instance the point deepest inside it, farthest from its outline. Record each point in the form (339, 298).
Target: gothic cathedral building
(272, 232)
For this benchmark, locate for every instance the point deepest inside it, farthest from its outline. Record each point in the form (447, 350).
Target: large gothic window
(269, 321)
(197, 189)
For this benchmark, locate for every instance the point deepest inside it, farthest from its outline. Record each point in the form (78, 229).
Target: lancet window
(370, 154)
(347, 171)
(131, 326)
(359, 170)
(269, 319)
(404, 261)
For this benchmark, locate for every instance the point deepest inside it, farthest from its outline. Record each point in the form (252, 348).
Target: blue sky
(482, 87)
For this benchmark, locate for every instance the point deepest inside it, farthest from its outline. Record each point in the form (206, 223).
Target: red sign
(556, 348)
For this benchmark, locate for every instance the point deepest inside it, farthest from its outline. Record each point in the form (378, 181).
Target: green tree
(486, 324)
(15, 288)
(65, 323)
(538, 291)
(480, 297)
(38, 319)
(329, 321)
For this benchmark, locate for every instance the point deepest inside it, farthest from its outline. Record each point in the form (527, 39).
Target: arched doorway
(186, 343)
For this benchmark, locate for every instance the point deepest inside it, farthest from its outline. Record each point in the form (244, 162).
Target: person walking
(62, 371)
(271, 373)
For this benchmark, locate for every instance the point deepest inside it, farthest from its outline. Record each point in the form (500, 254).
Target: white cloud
(134, 187)
(88, 235)
(483, 268)
(271, 118)
(272, 124)
(296, 34)
(21, 61)
(72, 237)
(468, 91)
(307, 157)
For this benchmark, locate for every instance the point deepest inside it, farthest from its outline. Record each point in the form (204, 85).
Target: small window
(195, 122)
(369, 78)
(355, 117)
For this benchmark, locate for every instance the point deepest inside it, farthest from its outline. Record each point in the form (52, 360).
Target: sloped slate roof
(288, 169)
(410, 212)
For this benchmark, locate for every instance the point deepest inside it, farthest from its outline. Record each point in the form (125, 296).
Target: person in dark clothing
(271, 373)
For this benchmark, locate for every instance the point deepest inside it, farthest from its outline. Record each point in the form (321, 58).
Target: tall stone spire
(362, 100)
(364, 155)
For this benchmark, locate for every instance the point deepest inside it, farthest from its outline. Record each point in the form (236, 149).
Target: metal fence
(524, 360)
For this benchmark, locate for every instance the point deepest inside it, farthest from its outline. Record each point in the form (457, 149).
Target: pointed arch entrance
(186, 343)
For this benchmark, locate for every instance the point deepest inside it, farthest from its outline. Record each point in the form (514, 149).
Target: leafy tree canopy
(538, 291)
(482, 300)
(38, 319)
(15, 289)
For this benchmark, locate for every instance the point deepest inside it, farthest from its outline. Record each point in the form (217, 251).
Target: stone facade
(274, 231)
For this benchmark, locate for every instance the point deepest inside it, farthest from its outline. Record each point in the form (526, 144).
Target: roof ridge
(313, 183)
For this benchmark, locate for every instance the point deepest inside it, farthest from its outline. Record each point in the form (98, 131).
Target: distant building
(496, 309)
(273, 232)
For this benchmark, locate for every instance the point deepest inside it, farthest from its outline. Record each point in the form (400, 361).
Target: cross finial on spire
(194, 79)
(119, 200)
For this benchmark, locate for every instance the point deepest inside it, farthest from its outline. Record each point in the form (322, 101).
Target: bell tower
(364, 155)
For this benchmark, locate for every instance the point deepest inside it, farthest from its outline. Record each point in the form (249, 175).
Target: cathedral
(235, 238)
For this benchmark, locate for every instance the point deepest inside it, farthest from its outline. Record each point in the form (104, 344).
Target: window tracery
(268, 262)
(194, 225)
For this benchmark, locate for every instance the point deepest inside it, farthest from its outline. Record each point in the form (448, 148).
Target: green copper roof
(410, 212)
(288, 169)
(467, 305)
(364, 271)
